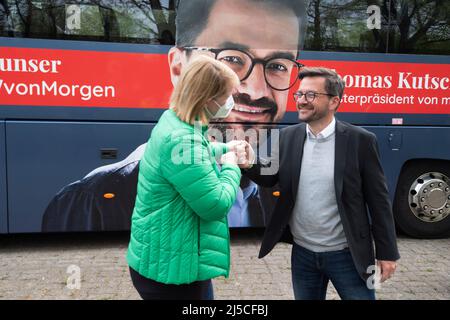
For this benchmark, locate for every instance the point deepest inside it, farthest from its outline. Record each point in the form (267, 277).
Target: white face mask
(224, 110)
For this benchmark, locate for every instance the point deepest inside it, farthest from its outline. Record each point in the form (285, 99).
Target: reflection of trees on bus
(4, 15)
(407, 26)
(341, 26)
(150, 21)
(155, 19)
(420, 24)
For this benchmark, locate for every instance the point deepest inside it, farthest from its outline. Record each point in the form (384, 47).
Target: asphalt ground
(92, 266)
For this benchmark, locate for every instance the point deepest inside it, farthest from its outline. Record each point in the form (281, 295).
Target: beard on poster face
(245, 121)
(248, 111)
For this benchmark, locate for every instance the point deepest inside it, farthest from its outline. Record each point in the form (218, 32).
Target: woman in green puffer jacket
(179, 233)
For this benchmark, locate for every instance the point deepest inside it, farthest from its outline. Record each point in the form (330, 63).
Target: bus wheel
(422, 200)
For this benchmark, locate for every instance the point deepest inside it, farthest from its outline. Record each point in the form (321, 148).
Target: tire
(416, 213)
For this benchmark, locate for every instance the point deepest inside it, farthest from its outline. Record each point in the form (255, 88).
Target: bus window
(345, 26)
(89, 21)
(421, 27)
(4, 16)
(98, 20)
(26, 18)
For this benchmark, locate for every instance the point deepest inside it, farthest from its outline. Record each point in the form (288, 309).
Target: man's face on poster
(264, 36)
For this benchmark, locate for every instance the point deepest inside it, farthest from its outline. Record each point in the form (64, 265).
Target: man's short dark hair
(192, 17)
(333, 82)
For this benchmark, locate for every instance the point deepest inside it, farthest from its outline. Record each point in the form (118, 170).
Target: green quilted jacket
(179, 230)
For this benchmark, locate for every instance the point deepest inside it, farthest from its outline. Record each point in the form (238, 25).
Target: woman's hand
(234, 144)
(244, 152)
(229, 158)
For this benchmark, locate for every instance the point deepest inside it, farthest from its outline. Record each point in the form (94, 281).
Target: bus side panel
(43, 157)
(399, 144)
(3, 188)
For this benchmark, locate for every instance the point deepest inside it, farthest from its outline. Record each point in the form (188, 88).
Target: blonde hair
(203, 79)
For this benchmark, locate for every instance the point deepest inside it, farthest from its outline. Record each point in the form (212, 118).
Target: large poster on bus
(108, 77)
(85, 79)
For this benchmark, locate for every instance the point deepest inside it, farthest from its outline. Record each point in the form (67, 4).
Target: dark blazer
(81, 205)
(359, 185)
(261, 206)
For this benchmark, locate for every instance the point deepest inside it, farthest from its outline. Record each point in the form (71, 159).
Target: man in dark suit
(329, 173)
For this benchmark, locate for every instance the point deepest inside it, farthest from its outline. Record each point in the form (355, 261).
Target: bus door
(45, 156)
(3, 189)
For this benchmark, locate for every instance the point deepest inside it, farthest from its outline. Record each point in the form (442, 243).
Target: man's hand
(251, 157)
(387, 269)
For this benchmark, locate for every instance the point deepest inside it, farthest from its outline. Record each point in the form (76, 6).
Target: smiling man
(257, 39)
(334, 205)
(260, 41)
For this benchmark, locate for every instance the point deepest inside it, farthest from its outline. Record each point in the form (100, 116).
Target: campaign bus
(83, 82)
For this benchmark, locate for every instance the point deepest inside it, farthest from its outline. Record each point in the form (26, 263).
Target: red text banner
(45, 77)
(50, 77)
(392, 87)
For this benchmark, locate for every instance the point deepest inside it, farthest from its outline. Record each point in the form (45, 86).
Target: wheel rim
(429, 197)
